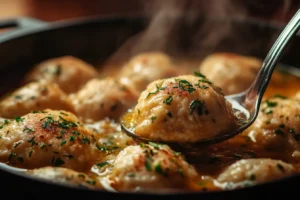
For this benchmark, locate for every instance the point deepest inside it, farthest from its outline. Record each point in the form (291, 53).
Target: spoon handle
(258, 87)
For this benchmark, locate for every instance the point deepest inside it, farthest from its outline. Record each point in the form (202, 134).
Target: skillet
(94, 39)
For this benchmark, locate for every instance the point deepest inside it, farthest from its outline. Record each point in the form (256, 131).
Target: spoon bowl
(245, 104)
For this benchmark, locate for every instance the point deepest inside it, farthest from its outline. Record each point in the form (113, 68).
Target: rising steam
(175, 27)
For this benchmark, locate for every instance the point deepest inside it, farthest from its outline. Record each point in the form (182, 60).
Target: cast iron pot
(94, 39)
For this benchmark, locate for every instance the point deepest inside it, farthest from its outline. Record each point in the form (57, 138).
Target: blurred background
(162, 31)
(53, 10)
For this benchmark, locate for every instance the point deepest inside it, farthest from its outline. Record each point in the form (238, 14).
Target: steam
(175, 28)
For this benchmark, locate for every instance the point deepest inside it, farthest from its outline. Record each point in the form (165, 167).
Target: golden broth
(211, 160)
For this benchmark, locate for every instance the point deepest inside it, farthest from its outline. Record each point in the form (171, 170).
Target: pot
(94, 39)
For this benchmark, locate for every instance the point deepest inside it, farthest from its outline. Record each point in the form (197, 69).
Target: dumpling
(248, 172)
(102, 98)
(48, 138)
(148, 167)
(232, 72)
(34, 96)
(145, 68)
(69, 72)
(277, 125)
(66, 176)
(186, 108)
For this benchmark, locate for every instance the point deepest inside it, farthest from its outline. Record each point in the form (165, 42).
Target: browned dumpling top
(69, 72)
(148, 167)
(186, 108)
(102, 98)
(48, 138)
(146, 67)
(34, 96)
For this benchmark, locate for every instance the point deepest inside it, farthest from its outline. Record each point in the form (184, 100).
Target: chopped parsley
(153, 92)
(30, 153)
(158, 169)
(252, 177)
(17, 144)
(177, 153)
(271, 104)
(63, 113)
(32, 141)
(148, 163)
(169, 100)
(280, 167)
(57, 162)
(75, 133)
(20, 159)
(269, 112)
(49, 120)
(91, 182)
(72, 138)
(85, 140)
(18, 97)
(66, 124)
(43, 145)
(162, 88)
(113, 107)
(102, 164)
(38, 111)
(5, 123)
(203, 86)
(155, 145)
(131, 175)
(278, 131)
(11, 155)
(57, 71)
(81, 175)
(198, 106)
(68, 156)
(63, 142)
(205, 81)
(153, 118)
(19, 119)
(186, 86)
(169, 114)
(199, 74)
(28, 130)
(106, 148)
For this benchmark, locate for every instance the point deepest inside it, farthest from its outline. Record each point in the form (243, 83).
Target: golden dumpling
(186, 108)
(69, 72)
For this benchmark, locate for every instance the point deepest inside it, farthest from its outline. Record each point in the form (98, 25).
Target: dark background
(53, 10)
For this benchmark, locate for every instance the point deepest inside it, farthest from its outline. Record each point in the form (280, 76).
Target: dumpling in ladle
(187, 108)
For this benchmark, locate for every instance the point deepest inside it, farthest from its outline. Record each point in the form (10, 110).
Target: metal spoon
(248, 102)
